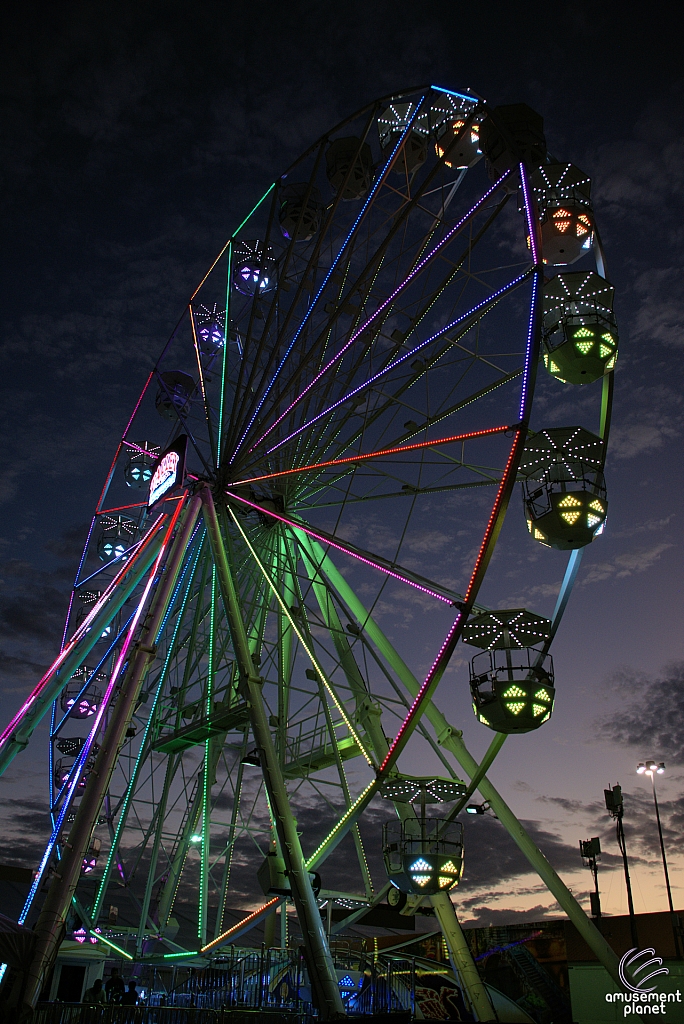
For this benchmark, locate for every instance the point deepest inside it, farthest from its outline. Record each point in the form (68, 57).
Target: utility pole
(590, 850)
(615, 808)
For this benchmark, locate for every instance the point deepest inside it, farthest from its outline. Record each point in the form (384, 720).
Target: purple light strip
(35, 693)
(528, 351)
(79, 765)
(339, 547)
(334, 263)
(531, 225)
(404, 284)
(391, 366)
(532, 233)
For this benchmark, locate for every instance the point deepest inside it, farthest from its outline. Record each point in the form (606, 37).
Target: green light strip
(199, 287)
(177, 956)
(101, 938)
(253, 210)
(355, 808)
(226, 338)
(314, 660)
(206, 788)
(131, 786)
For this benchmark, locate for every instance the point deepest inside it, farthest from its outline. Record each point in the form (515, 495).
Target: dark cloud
(649, 711)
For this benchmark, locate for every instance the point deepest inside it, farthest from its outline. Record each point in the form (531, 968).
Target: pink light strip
(97, 607)
(391, 366)
(452, 636)
(144, 451)
(376, 186)
(110, 474)
(370, 455)
(339, 547)
(79, 766)
(407, 280)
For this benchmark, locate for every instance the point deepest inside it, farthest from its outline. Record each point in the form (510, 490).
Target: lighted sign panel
(169, 471)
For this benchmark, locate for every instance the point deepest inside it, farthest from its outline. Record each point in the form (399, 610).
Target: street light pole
(653, 769)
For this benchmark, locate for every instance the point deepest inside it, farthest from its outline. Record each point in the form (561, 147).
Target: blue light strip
(178, 585)
(125, 554)
(461, 95)
(97, 668)
(79, 764)
(391, 366)
(151, 718)
(327, 277)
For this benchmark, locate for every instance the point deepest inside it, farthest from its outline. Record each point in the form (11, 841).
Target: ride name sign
(169, 472)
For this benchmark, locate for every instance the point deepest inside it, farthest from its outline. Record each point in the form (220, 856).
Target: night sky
(135, 138)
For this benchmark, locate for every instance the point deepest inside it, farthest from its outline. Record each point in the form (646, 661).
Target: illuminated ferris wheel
(359, 359)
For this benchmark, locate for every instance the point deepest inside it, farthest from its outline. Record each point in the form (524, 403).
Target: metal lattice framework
(364, 348)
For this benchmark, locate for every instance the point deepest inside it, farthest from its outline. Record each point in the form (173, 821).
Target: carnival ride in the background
(368, 338)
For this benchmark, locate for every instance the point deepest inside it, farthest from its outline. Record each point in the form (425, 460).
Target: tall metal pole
(322, 974)
(630, 901)
(615, 807)
(49, 928)
(673, 916)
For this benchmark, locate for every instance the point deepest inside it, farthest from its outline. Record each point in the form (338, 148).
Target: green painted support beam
(324, 985)
(451, 740)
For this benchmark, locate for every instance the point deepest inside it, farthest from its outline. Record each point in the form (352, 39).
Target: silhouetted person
(95, 994)
(130, 998)
(115, 987)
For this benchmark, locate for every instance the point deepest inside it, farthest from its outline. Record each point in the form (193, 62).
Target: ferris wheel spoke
(484, 305)
(378, 183)
(388, 307)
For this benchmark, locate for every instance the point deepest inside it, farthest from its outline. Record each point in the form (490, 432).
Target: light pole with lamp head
(652, 768)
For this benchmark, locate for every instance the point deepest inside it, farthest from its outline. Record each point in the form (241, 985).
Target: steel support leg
(49, 927)
(451, 740)
(446, 915)
(462, 959)
(325, 989)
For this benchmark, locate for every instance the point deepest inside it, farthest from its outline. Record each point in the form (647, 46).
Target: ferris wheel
(360, 358)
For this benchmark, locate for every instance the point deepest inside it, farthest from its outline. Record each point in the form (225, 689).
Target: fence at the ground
(266, 986)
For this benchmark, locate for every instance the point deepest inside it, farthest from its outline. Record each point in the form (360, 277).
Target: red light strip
(139, 504)
(451, 638)
(110, 474)
(373, 455)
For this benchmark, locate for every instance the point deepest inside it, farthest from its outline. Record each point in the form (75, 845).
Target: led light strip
(78, 635)
(129, 791)
(493, 298)
(373, 455)
(314, 660)
(339, 547)
(371, 194)
(355, 809)
(85, 751)
(254, 916)
(404, 284)
(449, 639)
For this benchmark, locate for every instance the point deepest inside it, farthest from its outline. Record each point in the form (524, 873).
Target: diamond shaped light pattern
(564, 489)
(512, 680)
